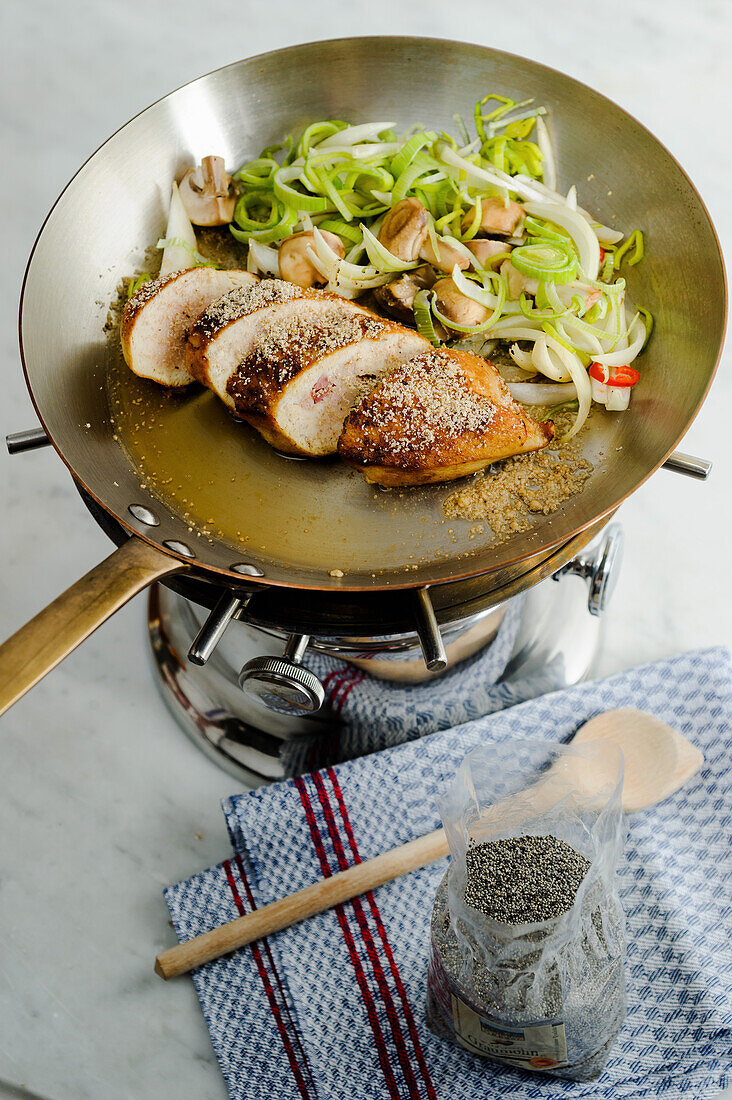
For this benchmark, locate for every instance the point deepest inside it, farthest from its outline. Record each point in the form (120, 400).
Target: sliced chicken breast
(292, 362)
(440, 416)
(156, 320)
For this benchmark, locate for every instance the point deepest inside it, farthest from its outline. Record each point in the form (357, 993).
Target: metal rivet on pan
(247, 569)
(179, 548)
(139, 511)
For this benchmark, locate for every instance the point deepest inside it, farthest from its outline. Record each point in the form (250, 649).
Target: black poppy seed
(524, 879)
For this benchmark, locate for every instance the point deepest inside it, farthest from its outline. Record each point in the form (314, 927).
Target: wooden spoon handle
(53, 633)
(305, 903)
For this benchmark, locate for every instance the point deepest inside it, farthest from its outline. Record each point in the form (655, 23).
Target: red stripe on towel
(348, 937)
(275, 971)
(371, 949)
(286, 1042)
(347, 687)
(334, 683)
(408, 1014)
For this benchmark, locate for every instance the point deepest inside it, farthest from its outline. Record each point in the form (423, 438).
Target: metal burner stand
(556, 647)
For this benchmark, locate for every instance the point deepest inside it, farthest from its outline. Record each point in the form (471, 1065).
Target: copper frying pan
(302, 519)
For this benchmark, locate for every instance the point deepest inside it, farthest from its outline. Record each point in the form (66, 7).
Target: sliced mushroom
(295, 263)
(457, 307)
(397, 298)
(495, 217)
(404, 229)
(208, 193)
(445, 259)
(485, 251)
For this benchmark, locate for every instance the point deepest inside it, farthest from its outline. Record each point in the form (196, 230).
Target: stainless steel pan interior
(311, 517)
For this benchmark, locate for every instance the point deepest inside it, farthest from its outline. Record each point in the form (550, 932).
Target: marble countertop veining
(102, 800)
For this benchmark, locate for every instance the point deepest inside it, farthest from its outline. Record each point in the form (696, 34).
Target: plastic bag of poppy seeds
(527, 937)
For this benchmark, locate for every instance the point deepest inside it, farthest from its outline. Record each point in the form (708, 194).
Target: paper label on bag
(532, 1046)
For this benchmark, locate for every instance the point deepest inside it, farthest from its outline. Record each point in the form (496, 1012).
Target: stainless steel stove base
(556, 647)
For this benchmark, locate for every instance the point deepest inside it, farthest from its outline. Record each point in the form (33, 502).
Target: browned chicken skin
(442, 415)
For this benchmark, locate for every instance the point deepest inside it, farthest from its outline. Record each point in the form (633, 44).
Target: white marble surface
(102, 800)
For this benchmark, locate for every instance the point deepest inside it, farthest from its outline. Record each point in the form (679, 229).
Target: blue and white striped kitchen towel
(334, 1007)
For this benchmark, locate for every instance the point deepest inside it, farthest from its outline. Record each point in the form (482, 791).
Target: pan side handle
(56, 631)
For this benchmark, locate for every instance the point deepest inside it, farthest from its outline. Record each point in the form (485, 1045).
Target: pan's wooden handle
(38, 646)
(305, 903)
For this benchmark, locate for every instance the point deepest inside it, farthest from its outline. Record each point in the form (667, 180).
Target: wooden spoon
(658, 760)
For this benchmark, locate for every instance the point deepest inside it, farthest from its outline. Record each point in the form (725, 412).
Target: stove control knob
(282, 683)
(598, 564)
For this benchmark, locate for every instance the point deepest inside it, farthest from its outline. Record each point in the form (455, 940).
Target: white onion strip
(521, 358)
(548, 163)
(547, 360)
(543, 393)
(266, 259)
(365, 132)
(624, 356)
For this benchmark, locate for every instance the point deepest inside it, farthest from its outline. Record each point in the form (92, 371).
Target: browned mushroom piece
(296, 265)
(496, 217)
(456, 306)
(445, 258)
(404, 229)
(517, 282)
(485, 251)
(208, 193)
(397, 298)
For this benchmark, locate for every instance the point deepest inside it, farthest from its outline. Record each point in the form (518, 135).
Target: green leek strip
(341, 229)
(536, 227)
(648, 322)
(613, 290)
(297, 200)
(354, 135)
(368, 178)
(327, 185)
(261, 200)
(406, 179)
(608, 266)
(423, 300)
(482, 295)
(442, 224)
(555, 409)
(462, 129)
(316, 133)
(517, 115)
(178, 242)
(265, 236)
(134, 284)
(552, 298)
(258, 173)
(381, 257)
(479, 118)
(634, 241)
(476, 220)
(520, 128)
(409, 151)
(553, 260)
(541, 314)
(494, 151)
(432, 234)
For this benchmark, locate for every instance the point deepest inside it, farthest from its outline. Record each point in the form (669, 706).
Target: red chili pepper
(614, 376)
(602, 254)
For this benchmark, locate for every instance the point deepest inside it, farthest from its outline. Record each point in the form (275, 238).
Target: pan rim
(330, 584)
